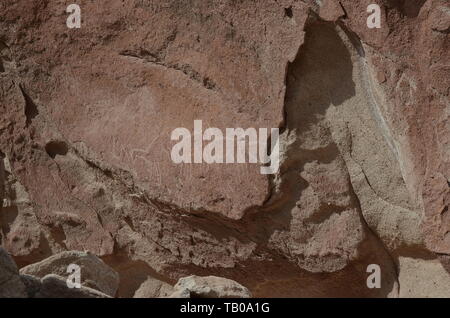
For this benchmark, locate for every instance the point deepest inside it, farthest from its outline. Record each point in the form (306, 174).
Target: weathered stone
(11, 285)
(209, 287)
(423, 278)
(94, 272)
(331, 10)
(54, 286)
(32, 285)
(153, 288)
(365, 134)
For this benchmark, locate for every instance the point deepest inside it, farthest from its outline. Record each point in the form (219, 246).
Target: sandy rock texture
(209, 287)
(87, 115)
(153, 288)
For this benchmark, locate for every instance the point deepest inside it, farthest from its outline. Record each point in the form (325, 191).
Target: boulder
(209, 287)
(94, 272)
(32, 285)
(153, 288)
(11, 286)
(54, 286)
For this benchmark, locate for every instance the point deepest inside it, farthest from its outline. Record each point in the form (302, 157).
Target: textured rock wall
(86, 118)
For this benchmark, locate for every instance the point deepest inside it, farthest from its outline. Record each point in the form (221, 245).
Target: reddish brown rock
(331, 10)
(364, 179)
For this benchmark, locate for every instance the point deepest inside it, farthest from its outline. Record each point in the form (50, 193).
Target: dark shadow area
(44, 251)
(7, 217)
(321, 76)
(409, 8)
(56, 147)
(445, 261)
(288, 12)
(31, 110)
(58, 234)
(3, 47)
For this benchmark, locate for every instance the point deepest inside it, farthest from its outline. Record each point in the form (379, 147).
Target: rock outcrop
(364, 178)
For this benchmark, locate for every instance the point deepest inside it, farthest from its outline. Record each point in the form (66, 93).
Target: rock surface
(54, 286)
(153, 288)
(87, 116)
(209, 287)
(94, 273)
(11, 286)
(15, 285)
(430, 275)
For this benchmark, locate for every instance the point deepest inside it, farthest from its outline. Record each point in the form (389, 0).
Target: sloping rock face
(85, 141)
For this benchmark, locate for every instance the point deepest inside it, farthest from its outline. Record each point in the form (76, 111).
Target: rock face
(363, 113)
(209, 287)
(94, 273)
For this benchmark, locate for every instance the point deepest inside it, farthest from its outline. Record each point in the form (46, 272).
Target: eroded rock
(209, 287)
(153, 288)
(421, 278)
(54, 286)
(364, 116)
(94, 272)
